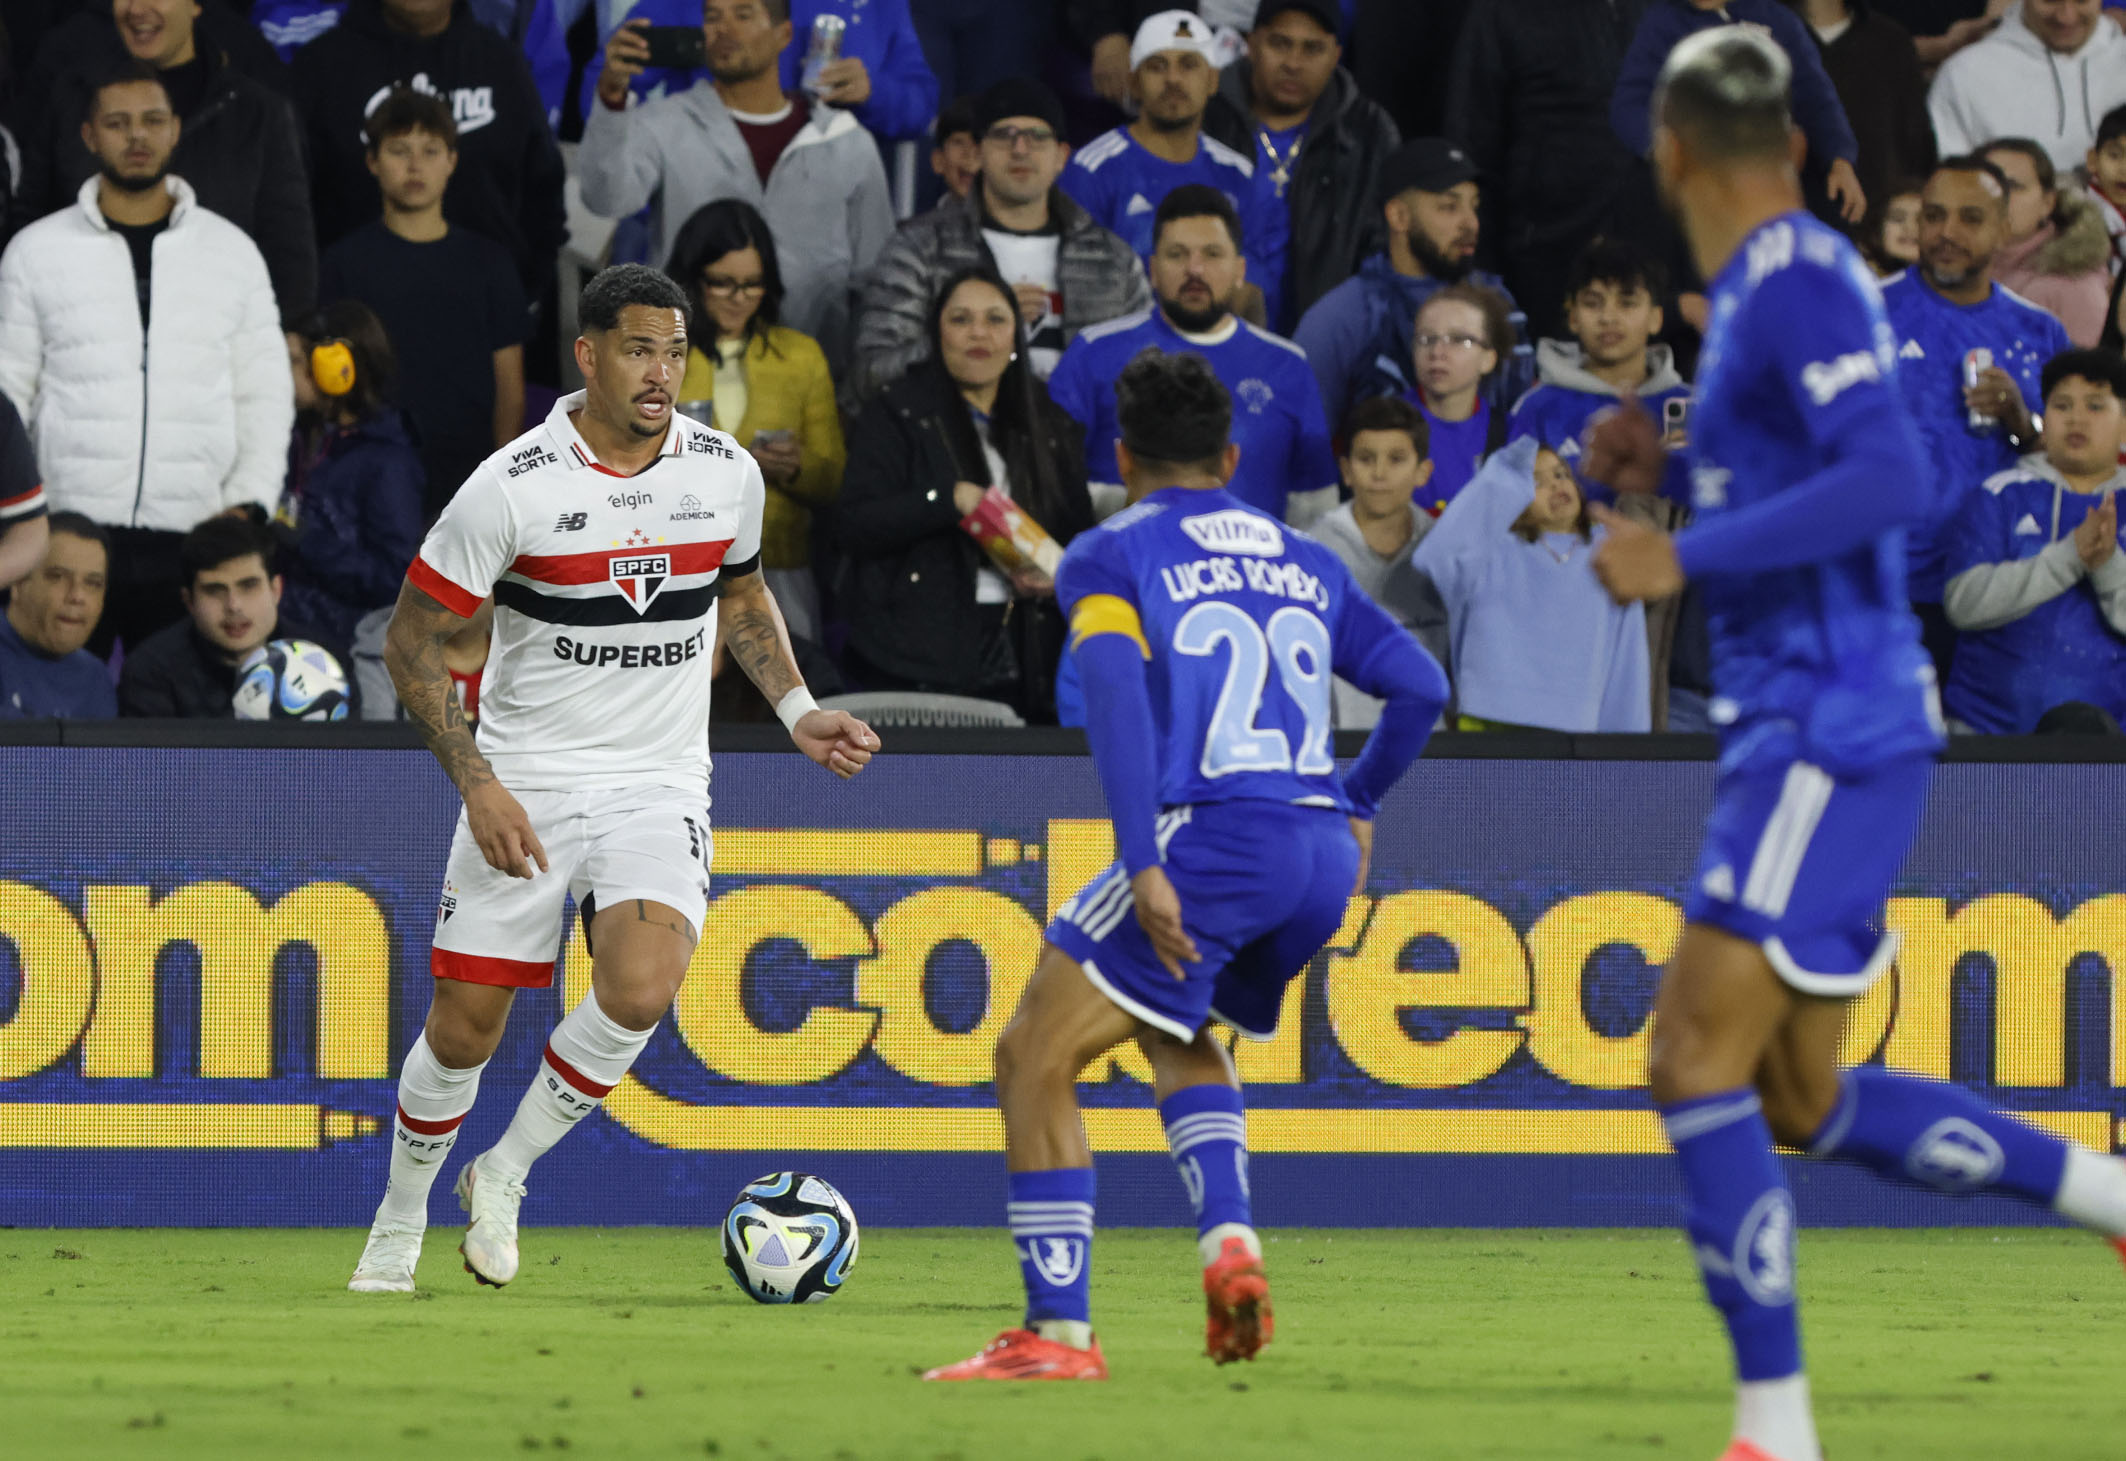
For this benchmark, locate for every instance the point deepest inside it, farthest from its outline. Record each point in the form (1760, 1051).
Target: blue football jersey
(1121, 185)
(1821, 661)
(1247, 622)
(1277, 422)
(1934, 334)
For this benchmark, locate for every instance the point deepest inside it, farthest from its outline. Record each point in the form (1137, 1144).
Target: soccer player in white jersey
(606, 537)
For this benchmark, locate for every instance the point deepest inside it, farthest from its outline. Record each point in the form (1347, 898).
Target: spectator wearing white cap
(1122, 177)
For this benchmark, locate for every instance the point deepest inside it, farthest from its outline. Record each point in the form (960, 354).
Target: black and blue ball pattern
(790, 1238)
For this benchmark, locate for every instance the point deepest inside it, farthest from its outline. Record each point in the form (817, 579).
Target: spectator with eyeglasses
(1066, 271)
(764, 383)
(1461, 335)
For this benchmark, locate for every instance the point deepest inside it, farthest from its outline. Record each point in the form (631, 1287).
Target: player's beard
(1195, 321)
(1436, 263)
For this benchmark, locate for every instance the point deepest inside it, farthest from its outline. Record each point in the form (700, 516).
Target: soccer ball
(789, 1239)
(291, 679)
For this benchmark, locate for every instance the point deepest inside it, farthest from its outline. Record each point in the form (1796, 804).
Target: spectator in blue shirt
(1613, 309)
(2037, 584)
(1817, 110)
(1121, 177)
(1461, 337)
(1357, 336)
(44, 671)
(1942, 312)
(1199, 262)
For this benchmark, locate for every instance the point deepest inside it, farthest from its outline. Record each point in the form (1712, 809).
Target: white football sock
(433, 1102)
(585, 1057)
(1775, 1417)
(1211, 1242)
(2093, 1192)
(1077, 1333)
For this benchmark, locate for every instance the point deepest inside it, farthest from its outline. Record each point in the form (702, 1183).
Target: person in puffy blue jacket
(350, 517)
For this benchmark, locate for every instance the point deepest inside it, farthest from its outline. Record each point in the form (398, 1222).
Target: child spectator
(352, 511)
(1889, 240)
(1536, 641)
(2105, 171)
(1613, 309)
(2057, 254)
(449, 298)
(1385, 465)
(2037, 585)
(1461, 335)
(956, 151)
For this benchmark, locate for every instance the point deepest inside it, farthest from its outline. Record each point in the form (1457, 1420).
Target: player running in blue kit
(1805, 467)
(1207, 634)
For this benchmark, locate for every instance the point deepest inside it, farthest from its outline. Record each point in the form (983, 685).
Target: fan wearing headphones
(351, 515)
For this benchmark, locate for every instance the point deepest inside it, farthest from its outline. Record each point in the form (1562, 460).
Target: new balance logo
(1911, 351)
(1138, 203)
(572, 522)
(2028, 528)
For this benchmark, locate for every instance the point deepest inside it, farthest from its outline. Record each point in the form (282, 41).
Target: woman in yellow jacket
(766, 385)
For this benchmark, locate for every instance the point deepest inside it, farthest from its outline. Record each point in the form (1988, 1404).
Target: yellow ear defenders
(332, 366)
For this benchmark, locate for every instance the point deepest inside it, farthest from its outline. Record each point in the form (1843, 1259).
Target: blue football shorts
(1799, 861)
(1262, 886)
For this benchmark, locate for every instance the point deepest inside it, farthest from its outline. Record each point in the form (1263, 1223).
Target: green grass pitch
(632, 1343)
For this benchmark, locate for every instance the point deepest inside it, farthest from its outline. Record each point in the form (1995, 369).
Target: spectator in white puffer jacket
(139, 337)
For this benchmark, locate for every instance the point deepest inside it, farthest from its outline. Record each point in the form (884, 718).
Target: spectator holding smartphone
(2037, 585)
(765, 384)
(1537, 643)
(926, 609)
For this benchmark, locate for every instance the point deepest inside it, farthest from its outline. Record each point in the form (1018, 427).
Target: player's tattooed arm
(754, 636)
(413, 653)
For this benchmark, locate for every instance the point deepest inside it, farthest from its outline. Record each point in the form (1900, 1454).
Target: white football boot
(388, 1260)
(490, 1245)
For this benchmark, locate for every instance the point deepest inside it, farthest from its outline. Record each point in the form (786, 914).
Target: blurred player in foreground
(606, 537)
(1805, 467)
(1206, 635)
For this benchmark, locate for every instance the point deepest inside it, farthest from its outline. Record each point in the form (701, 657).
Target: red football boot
(1236, 1296)
(1021, 1354)
(1744, 1451)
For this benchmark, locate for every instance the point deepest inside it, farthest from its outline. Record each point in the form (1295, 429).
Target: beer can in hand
(1976, 363)
(822, 51)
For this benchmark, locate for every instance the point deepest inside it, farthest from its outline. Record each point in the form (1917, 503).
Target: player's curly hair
(614, 289)
(1172, 410)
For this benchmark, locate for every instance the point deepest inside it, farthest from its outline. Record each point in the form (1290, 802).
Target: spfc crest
(638, 578)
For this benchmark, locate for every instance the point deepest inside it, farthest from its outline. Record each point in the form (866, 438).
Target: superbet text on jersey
(605, 600)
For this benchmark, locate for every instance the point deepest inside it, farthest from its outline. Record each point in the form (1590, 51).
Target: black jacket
(1334, 196)
(1530, 101)
(239, 149)
(1875, 68)
(910, 596)
(177, 674)
(509, 177)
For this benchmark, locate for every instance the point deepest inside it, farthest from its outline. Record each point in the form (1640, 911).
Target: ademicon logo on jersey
(639, 577)
(1235, 531)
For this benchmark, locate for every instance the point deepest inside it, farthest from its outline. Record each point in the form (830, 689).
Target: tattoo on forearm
(675, 923)
(753, 634)
(413, 652)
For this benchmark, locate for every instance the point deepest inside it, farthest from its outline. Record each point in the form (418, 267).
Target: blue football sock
(1938, 1135)
(1207, 1128)
(1051, 1215)
(1741, 1223)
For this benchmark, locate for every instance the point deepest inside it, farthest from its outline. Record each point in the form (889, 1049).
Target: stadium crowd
(279, 277)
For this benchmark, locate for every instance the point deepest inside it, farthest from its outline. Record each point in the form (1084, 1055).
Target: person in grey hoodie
(2050, 72)
(813, 173)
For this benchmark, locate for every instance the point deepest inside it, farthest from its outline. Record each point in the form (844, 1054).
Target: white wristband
(794, 707)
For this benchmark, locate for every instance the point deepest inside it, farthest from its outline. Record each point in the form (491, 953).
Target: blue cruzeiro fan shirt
(1277, 421)
(1934, 334)
(1805, 466)
(1122, 185)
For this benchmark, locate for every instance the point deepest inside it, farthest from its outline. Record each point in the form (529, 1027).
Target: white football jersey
(605, 600)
